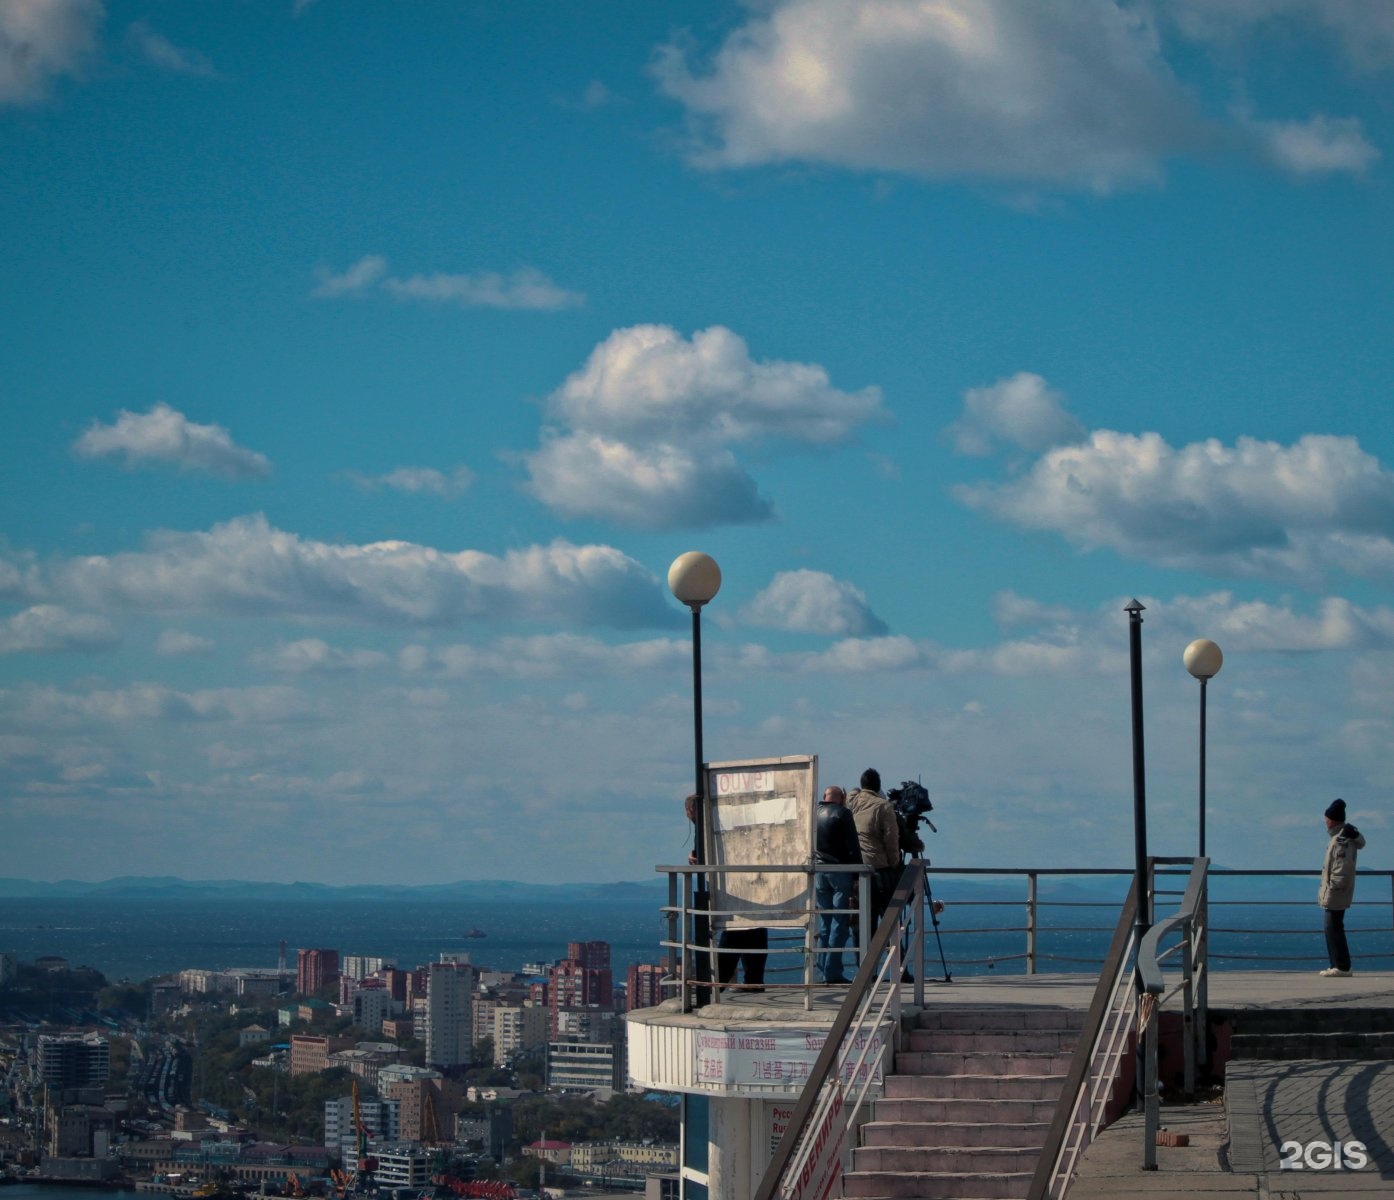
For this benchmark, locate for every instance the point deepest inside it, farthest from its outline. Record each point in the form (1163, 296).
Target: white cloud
(176, 643)
(1256, 508)
(418, 480)
(553, 656)
(152, 702)
(165, 435)
(1075, 95)
(366, 272)
(48, 629)
(1022, 411)
(164, 54)
(643, 432)
(246, 567)
(525, 288)
(314, 655)
(813, 602)
(40, 39)
(1319, 146)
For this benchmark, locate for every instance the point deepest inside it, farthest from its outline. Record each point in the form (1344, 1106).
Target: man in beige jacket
(878, 831)
(1338, 884)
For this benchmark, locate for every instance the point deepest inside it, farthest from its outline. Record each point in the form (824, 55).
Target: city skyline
(366, 368)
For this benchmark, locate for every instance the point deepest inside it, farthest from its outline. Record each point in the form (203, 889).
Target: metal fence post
(1031, 907)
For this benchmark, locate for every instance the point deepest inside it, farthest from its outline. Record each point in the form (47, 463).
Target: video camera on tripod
(911, 803)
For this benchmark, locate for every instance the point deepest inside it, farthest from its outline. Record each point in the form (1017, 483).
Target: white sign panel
(761, 812)
(754, 1057)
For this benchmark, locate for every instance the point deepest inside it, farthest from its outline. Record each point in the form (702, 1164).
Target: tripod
(933, 919)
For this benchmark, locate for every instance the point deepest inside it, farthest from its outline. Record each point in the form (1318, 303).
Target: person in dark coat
(835, 891)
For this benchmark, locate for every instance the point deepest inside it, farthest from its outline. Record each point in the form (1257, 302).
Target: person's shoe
(1336, 973)
(835, 979)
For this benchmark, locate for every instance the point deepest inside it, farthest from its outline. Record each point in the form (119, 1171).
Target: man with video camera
(878, 831)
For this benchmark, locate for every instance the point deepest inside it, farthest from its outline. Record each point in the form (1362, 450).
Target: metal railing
(793, 931)
(1189, 922)
(1057, 933)
(814, 1146)
(1103, 1041)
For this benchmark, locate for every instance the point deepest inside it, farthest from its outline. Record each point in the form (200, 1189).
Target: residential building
(449, 1024)
(580, 980)
(381, 1118)
(315, 969)
(517, 1028)
(309, 1053)
(643, 985)
(362, 966)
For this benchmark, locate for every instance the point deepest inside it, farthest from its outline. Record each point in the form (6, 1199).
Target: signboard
(780, 1057)
(760, 812)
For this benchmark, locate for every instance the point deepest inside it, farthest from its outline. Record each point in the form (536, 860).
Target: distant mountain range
(650, 892)
(170, 887)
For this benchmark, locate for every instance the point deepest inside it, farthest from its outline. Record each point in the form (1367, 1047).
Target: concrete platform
(1236, 1141)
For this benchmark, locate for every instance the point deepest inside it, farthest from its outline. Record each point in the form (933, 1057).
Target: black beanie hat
(1336, 810)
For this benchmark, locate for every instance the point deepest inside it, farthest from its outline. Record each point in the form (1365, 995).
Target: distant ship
(476, 933)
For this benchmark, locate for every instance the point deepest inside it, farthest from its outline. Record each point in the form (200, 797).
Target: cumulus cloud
(418, 480)
(41, 39)
(550, 656)
(247, 567)
(314, 655)
(176, 643)
(1074, 95)
(49, 629)
(1021, 411)
(644, 432)
(165, 435)
(1257, 508)
(525, 288)
(1319, 146)
(159, 50)
(148, 702)
(813, 602)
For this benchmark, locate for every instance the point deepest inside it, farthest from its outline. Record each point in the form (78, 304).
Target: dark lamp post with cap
(1203, 659)
(694, 579)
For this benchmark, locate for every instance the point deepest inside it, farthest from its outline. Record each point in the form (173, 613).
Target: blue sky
(365, 366)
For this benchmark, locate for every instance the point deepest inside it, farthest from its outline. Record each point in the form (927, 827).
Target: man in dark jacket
(1338, 884)
(837, 843)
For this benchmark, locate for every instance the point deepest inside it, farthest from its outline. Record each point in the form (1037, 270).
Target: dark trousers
(1337, 948)
(747, 947)
(884, 881)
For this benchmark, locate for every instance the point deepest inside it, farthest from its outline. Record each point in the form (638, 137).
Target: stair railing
(1103, 1043)
(814, 1145)
(1189, 921)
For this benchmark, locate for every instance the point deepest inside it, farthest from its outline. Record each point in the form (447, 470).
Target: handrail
(885, 941)
(1190, 920)
(1067, 1115)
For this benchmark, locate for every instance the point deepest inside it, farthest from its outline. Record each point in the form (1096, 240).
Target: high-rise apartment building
(582, 979)
(314, 969)
(643, 986)
(449, 1033)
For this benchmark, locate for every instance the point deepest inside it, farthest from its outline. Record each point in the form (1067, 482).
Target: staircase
(966, 1111)
(1359, 1033)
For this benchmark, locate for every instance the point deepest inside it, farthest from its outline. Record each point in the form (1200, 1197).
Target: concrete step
(974, 1087)
(1016, 1134)
(924, 1062)
(1010, 1041)
(884, 1185)
(990, 1020)
(1342, 1044)
(1245, 1022)
(964, 1111)
(946, 1160)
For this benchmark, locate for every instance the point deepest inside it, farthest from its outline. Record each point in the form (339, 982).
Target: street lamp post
(694, 579)
(1143, 916)
(1203, 660)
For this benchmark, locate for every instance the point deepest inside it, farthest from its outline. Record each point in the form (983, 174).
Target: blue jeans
(834, 889)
